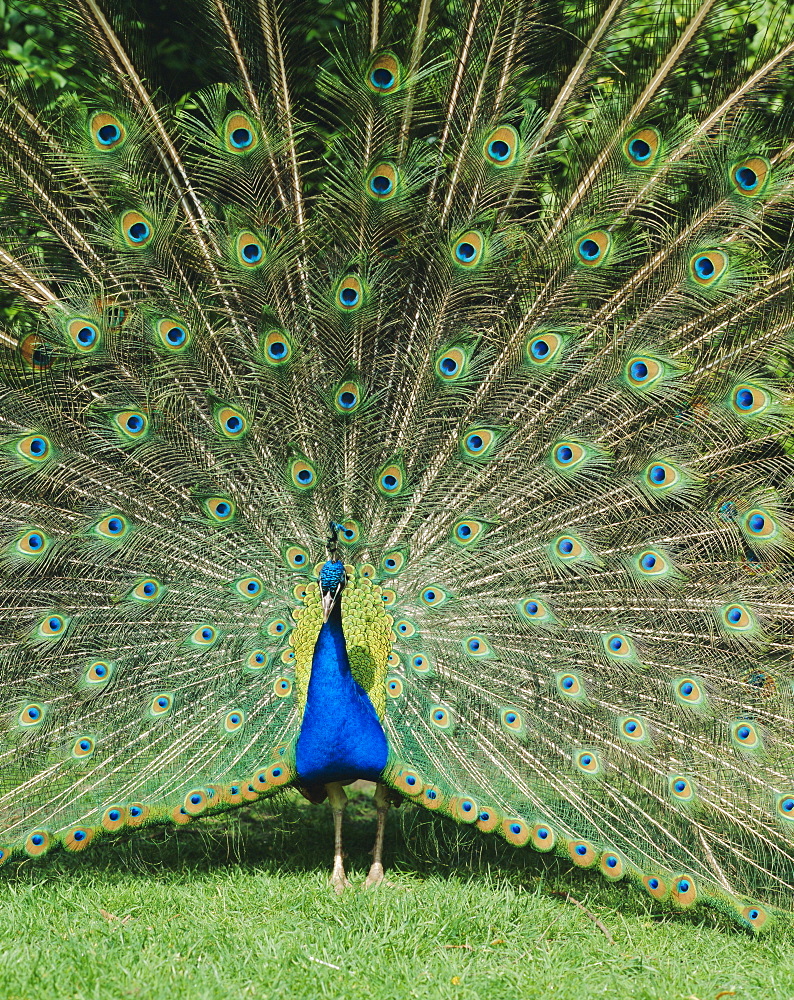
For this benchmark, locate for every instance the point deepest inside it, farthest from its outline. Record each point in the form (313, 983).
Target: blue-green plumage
(341, 737)
(526, 330)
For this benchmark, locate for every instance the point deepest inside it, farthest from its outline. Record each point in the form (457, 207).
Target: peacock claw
(375, 877)
(340, 882)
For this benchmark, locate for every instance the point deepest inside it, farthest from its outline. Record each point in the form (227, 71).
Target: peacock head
(332, 582)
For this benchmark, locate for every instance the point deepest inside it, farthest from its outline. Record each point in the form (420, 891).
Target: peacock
(425, 421)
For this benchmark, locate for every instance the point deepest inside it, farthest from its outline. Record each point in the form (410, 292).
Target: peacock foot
(375, 876)
(339, 880)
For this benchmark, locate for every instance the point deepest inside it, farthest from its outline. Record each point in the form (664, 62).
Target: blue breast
(341, 737)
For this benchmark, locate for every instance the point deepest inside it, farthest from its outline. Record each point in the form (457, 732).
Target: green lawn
(239, 906)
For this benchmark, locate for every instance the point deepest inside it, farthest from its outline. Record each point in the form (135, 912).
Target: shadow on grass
(286, 835)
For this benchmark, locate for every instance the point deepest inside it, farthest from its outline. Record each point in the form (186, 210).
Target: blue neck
(341, 737)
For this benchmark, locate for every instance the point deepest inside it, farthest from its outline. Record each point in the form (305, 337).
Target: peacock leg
(338, 799)
(382, 803)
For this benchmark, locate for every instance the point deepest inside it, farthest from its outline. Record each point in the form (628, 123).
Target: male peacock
(527, 350)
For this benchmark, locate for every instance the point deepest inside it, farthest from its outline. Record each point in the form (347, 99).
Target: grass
(239, 906)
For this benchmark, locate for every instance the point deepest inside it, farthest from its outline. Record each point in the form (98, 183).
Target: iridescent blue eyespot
(138, 231)
(465, 252)
(241, 138)
(251, 252)
(639, 150)
(704, 267)
(499, 150)
(349, 296)
(589, 249)
(381, 78)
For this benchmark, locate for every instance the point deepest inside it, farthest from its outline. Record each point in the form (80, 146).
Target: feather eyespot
(567, 455)
(382, 182)
(220, 508)
(234, 720)
(393, 562)
(350, 531)
(249, 587)
(384, 74)
(516, 832)
(37, 843)
(756, 916)
(501, 146)
(297, 557)
(257, 660)
(477, 647)
(656, 886)
(661, 476)
(114, 818)
(568, 548)
(99, 673)
(107, 131)
(708, 267)
(651, 563)
(617, 645)
(136, 229)
(738, 618)
(409, 781)
(682, 789)
(433, 596)
(587, 761)
(452, 363)
(642, 147)
(511, 720)
(468, 249)
(612, 866)
(642, 371)
(147, 591)
(35, 353)
(390, 480)
(421, 663)
(684, 892)
(440, 717)
(33, 543)
(688, 691)
(52, 627)
(231, 422)
(32, 715)
(349, 294)
(464, 809)
(239, 134)
(303, 474)
(83, 335)
(784, 804)
(759, 523)
(276, 347)
(83, 747)
(535, 610)
(161, 705)
(204, 636)
(394, 687)
(593, 248)
(488, 819)
(277, 627)
(570, 685)
(749, 177)
(632, 729)
(749, 400)
(249, 251)
(582, 853)
(478, 443)
(78, 838)
(467, 531)
(745, 735)
(347, 398)
(35, 448)
(113, 526)
(543, 837)
(133, 424)
(540, 350)
(282, 687)
(173, 335)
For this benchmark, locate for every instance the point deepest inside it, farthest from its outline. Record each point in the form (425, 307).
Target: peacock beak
(328, 602)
